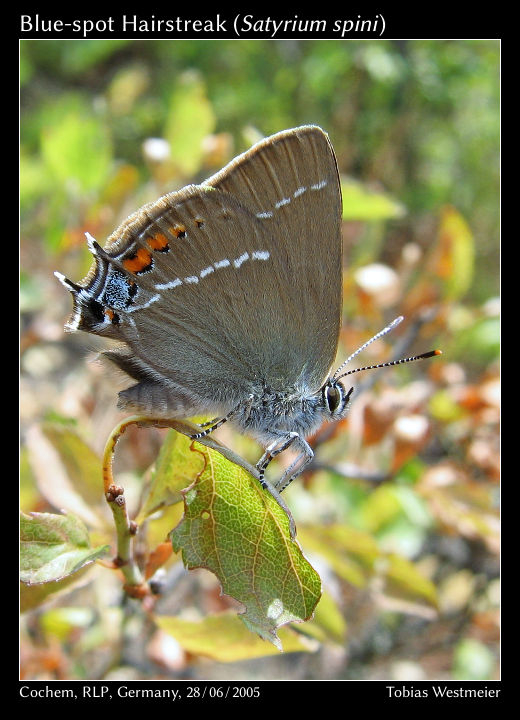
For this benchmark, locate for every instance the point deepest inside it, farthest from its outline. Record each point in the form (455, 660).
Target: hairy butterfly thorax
(225, 298)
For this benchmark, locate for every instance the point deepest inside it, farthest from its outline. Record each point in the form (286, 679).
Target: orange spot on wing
(178, 230)
(141, 260)
(157, 242)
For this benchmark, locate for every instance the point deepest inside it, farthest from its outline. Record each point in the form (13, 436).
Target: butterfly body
(225, 298)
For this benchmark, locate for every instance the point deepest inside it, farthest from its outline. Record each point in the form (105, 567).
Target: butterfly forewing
(234, 282)
(291, 183)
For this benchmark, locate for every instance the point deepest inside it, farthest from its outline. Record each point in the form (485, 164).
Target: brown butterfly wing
(221, 287)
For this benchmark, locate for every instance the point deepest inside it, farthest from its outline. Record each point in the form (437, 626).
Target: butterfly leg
(297, 467)
(217, 422)
(274, 449)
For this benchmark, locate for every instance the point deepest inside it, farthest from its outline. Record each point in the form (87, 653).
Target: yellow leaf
(226, 639)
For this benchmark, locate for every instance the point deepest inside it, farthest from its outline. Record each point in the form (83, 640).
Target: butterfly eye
(333, 398)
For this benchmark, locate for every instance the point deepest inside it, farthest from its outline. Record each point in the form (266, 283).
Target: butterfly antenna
(380, 334)
(423, 356)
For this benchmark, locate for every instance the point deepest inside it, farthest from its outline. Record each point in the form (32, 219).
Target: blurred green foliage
(415, 126)
(419, 118)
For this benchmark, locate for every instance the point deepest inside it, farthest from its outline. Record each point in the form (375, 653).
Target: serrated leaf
(240, 533)
(53, 547)
(225, 638)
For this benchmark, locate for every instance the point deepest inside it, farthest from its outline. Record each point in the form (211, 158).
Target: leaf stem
(125, 528)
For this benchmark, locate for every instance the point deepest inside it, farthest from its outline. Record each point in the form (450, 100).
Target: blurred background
(399, 513)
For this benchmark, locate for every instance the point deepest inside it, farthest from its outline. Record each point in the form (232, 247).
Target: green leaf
(175, 469)
(32, 596)
(241, 534)
(190, 120)
(53, 547)
(359, 203)
(225, 639)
